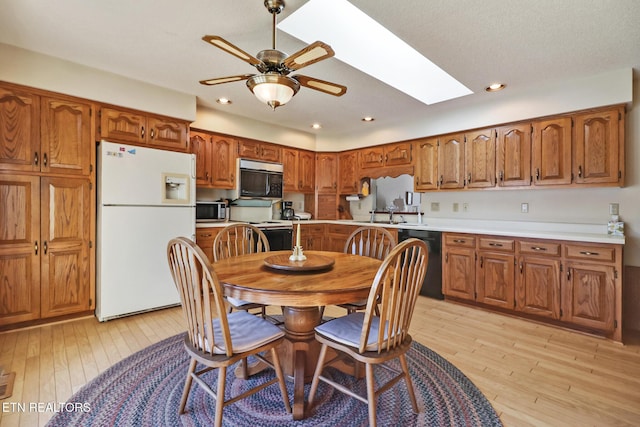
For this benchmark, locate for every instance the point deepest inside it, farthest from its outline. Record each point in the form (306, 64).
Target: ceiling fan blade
(321, 85)
(228, 79)
(313, 53)
(221, 43)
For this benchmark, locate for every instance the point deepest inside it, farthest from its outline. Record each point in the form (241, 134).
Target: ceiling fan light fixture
(274, 90)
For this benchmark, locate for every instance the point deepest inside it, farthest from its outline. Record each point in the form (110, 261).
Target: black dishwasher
(432, 286)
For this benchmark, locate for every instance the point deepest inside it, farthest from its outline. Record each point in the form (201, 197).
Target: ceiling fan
(273, 86)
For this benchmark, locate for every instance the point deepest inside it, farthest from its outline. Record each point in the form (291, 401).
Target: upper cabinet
(49, 134)
(426, 172)
(578, 149)
(299, 170)
(326, 172)
(258, 150)
(348, 181)
(513, 152)
(134, 127)
(551, 151)
(386, 160)
(598, 150)
(215, 159)
(451, 161)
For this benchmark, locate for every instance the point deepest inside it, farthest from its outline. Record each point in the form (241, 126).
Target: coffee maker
(287, 210)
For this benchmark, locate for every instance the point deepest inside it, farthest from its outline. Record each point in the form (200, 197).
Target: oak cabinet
(44, 133)
(299, 170)
(45, 257)
(597, 154)
(538, 278)
(572, 284)
(259, 150)
(513, 152)
(326, 206)
(590, 294)
(496, 273)
(480, 158)
(204, 239)
(451, 161)
(127, 126)
(348, 177)
(459, 267)
(326, 172)
(396, 154)
(336, 237)
(426, 172)
(312, 236)
(551, 151)
(215, 159)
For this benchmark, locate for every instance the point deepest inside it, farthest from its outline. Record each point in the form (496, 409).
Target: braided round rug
(145, 390)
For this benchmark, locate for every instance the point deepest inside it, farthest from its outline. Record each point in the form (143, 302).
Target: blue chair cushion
(247, 332)
(347, 330)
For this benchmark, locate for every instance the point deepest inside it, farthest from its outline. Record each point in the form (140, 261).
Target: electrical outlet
(435, 206)
(465, 207)
(524, 208)
(455, 207)
(614, 209)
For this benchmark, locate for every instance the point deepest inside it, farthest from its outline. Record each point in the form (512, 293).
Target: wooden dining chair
(235, 240)
(374, 242)
(218, 342)
(375, 339)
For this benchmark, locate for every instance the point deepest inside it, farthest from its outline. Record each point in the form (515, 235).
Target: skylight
(364, 44)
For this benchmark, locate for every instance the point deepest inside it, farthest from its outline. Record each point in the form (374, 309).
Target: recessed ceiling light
(368, 119)
(342, 26)
(494, 87)
(316, 126)
(223, 101)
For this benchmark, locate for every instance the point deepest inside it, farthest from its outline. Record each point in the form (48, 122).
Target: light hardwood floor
(533, 375)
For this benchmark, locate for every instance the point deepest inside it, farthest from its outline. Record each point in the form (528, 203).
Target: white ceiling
(519, 42)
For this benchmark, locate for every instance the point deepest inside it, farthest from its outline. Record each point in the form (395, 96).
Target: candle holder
(297, 254)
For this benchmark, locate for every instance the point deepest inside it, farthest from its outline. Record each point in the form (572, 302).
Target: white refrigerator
(145, 198)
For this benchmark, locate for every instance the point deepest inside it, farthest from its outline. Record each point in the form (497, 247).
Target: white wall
(46, 72)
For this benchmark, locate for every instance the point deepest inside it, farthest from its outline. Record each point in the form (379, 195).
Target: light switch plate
(524, 208)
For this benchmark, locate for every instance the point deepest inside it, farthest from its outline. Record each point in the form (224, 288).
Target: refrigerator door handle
(193, 166)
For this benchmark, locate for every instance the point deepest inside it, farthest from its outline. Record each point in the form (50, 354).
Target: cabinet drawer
(539, 248)
(497, 244)
(207, 233)
(463, 240)
(312, 228)
(597, 253)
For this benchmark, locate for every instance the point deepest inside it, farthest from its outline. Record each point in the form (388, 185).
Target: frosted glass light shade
(273, 89)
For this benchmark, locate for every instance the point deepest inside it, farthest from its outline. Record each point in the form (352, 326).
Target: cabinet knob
(469, 178)
(153, 133)
(44, 159)
(579, 171)
(588, 253)
(538, 248)
(35, 158)
(537, 174)
(142, 132)
(36, 247)
(45, 247)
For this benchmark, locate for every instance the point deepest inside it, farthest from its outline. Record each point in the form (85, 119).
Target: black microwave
(210, 211)
(260, 179)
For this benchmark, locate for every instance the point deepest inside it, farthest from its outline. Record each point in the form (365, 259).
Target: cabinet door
(371, 157)
(66, 142)
(326, 167)
(290, 178)
(167, 133)
(19, 130)
(459, 273)
(596, 147)
(513, 149)
(223, 162)
(205, 238)
(202, 146)
(20, 248)
(495, 283)
(327, 207)
(480, 158)
(122, 126)
(348, 176)
(538, 286)
(551, 151)
(588, 297)
(248, 149)
(397, 154)
(311, 236)
(306, 171)
(65, 232)
(270, 153)
(451, 161)
(426, 175)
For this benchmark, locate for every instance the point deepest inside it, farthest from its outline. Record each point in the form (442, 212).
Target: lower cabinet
(204, 239)
(311, 237)
(578, 285)
(45, 252)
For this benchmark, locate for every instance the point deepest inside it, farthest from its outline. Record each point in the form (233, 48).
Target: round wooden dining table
(301, 288)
